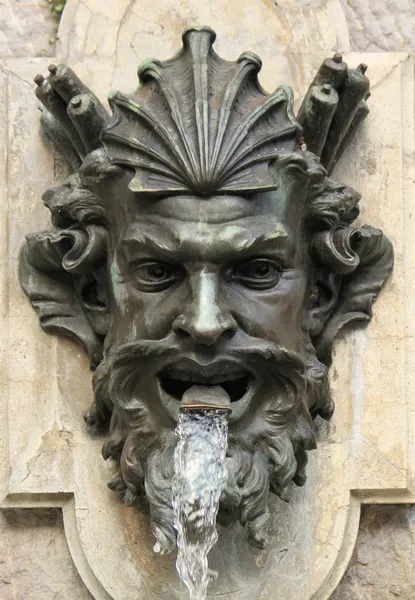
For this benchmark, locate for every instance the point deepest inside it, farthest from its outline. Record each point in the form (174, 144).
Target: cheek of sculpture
(129, 308)
(278, 315)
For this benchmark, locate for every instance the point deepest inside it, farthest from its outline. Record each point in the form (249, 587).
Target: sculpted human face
(208, 277)
(173, 295)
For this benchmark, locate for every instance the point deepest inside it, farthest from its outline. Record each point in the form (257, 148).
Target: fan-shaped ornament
(201, 124)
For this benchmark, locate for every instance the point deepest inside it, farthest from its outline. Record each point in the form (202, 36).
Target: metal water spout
(200, 398)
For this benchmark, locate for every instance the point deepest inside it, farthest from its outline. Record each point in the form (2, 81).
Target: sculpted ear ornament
(201, 129)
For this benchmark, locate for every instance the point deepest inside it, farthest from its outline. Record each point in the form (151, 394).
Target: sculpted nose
(204, 319)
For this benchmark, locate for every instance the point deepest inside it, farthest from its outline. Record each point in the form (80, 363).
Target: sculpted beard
(267, 447)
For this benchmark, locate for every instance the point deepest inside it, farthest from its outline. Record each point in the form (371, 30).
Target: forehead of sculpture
(286, 200)
(215, 229)
(286, 203)
(214, 210)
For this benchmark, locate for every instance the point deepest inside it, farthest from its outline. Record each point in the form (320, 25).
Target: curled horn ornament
(338, 248)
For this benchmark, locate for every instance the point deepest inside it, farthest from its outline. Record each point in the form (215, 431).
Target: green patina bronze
(199, 242)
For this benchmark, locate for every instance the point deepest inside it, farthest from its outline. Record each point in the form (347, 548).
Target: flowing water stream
(200, 476)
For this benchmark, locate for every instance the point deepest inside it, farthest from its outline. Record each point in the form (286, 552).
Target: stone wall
(35, 563)
(382, 567)
(34, 558)
(27, 28)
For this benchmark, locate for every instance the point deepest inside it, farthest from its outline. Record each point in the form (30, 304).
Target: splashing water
(200, 476)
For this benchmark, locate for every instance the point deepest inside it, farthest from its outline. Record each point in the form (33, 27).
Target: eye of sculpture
(200, 248)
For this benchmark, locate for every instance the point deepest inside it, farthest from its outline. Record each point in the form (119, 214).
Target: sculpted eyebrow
(270, 240)
(266, 243)
(273, 241)
(144, 241)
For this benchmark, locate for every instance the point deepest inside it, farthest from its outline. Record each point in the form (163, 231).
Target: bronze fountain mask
(200, 241)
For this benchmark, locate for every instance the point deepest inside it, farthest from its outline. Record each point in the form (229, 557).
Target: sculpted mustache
(129, 360)
(247, 348)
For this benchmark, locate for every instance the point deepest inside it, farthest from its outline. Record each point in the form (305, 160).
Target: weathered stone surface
(382, 567)
(380, 25)
(34, 558)
(27, 28)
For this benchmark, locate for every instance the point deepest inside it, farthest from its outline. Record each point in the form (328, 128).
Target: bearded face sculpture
(199, 242)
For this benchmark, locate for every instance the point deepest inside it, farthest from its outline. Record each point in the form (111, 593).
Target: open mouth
(177, 379)
(176, 382)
